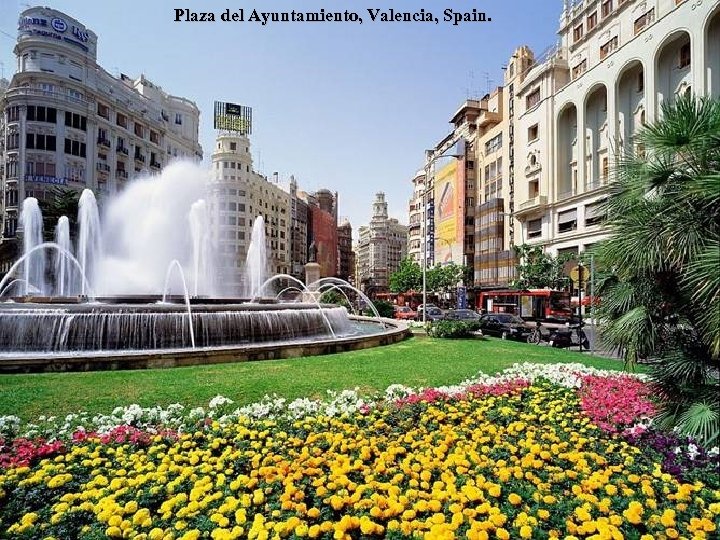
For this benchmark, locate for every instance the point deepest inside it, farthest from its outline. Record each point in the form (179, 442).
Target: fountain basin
(97, 336)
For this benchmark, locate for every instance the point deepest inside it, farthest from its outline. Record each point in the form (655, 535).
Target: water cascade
(64, 272)
(32, 225)
(90, 241)
(256, 263)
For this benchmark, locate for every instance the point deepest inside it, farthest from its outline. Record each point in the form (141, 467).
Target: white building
(616, 62)
(237, 196)
(381, 247)
(70, 123)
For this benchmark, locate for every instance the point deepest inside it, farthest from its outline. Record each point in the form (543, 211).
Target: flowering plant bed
(515, 455)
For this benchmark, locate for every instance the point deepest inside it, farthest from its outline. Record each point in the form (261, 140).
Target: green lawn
(418, 361)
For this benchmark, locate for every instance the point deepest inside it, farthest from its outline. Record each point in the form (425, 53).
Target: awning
(567, 216)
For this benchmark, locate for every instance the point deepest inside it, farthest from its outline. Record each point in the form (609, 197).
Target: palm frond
(700, 421)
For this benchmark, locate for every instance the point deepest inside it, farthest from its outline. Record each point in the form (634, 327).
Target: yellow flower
(514, 499)
(525, 531)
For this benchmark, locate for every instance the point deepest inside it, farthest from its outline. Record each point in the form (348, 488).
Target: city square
(231, 308)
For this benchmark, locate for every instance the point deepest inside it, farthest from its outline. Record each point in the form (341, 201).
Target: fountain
(112, 305)
(34, 267)
(63, 270)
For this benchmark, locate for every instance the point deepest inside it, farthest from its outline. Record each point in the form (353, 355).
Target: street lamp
(430, 158)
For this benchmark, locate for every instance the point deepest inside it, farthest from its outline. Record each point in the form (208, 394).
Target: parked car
(505, 326)
(466, 315)
(405, 313)
(433, 314)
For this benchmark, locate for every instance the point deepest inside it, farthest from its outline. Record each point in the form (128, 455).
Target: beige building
(382, 245)
(616, 62)
(416, 227)
(68, 123)
(237, 196)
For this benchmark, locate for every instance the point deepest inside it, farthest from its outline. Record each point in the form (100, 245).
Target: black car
(504, 325)
(466, 315)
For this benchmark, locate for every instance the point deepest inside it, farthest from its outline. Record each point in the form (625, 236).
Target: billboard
(233, 117)
(449, 198)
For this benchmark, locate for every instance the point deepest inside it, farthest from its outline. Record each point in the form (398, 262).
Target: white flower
(219, 401)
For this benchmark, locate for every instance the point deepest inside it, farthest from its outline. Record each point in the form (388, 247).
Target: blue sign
(41, 179)
(58, 24)
(462, 297)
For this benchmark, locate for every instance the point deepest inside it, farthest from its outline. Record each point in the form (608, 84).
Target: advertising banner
(449, 214)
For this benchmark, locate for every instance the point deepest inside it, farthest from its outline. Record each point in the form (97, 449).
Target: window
(594, 214)
(13, 114)
(233, 146)
(578, 33)
(75, 121)
(178, 119)
(494, 144)
(592, 21)
(533, 98)
(606, 8)
(684, 56)
(608, 47)
(154, 137)
(579, 69)
(13, 141)
(470, 165)
(642, 21)
(36, 141)
(533, 132)
(138, 130)
(121, 120)
(74, 148)
(42, 114)
(567, 221)
(103, 110)
(534, 228)
(605, 168)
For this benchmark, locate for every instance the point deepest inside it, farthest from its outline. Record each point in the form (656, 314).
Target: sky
(344, 106)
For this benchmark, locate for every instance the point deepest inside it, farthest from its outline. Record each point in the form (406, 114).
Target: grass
(418, 361)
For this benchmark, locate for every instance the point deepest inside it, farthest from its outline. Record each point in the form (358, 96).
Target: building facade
(298, 232)
(382, 245)
(237, 197)
(417, 219)
(346, 255)
(68, 123)
(580, 105)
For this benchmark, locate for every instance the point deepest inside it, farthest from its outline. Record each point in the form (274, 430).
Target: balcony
(532, 204)
(532, 169)
(139, 157)
(488, 118)
(102, 167)
(122, 150)
(155, 164)
(102, 141)
(121, 173)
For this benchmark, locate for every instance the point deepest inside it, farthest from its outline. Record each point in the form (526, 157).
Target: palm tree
(60, 202)
(661, 298)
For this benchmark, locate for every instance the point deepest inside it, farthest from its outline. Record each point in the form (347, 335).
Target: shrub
(384, 309)
(451, 329)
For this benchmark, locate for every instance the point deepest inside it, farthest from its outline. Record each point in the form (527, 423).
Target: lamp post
(430, 158)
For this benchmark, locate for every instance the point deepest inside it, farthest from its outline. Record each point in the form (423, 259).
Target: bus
(537, 304)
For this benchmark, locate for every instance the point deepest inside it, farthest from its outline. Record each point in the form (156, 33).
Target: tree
(537, 269)
(59, 202)
(444, 278)
(407, 277)
(661, 299)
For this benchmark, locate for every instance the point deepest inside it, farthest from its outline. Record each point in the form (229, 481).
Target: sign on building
(233, 117)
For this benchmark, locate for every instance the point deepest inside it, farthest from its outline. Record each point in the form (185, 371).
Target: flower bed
(511, 456)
